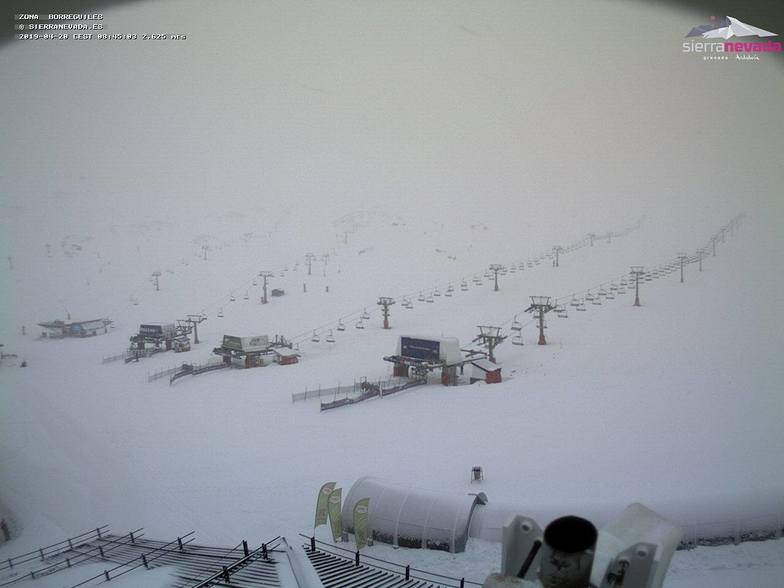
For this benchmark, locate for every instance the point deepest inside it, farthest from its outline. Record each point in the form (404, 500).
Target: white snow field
(415, 145)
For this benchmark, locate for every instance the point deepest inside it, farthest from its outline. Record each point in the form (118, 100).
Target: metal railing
(406, 571)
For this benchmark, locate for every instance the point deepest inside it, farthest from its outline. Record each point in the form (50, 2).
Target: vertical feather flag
(361, 522)
(321, 504)
(334, 503)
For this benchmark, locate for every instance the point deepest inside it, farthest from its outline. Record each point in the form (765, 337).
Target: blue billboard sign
(423, 349)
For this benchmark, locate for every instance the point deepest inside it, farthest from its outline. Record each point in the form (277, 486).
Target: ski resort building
(256, 351)
(484, 370)
(156, 334)
(422, 355)
(59, 329)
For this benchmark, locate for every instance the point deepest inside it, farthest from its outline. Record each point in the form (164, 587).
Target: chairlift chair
(315, 338)
(359, 324)
(589, 296)
(220, 312)
(517, 340)
(429, 299)
(574, 302)
(255, 283)
(246, 295)
(436, 292)
(464, 285)
(421, 297)
(330, 337)
(232, 299)
(341, 326)
(365, 315)
(516, 325)
(581, 307)
(595, 301)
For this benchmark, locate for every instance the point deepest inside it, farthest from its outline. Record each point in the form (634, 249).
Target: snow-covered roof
(286, 352)
(485, 365)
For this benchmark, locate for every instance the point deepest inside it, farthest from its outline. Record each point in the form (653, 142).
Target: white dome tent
(413, 517)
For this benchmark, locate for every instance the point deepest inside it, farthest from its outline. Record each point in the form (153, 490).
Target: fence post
(132, 538)
(264, 550)
(462, 582)
(100, 550)
(408, 572)
(179, 542)
(10, 563)
(313, 543)
(226, 575)
(41, 551)
(98, 530)
(68, 561)
(70, 545)
(106, 573)
(144, 561)
(356, 559)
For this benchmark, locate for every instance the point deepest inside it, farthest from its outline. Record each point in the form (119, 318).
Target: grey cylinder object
(567, 553)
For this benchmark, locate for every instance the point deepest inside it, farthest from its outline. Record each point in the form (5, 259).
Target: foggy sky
(500, 110)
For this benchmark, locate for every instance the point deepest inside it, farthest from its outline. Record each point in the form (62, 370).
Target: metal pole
(541, 327)
(636, 289)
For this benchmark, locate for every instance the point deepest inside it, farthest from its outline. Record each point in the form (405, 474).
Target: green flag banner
(333, 509)
(321, 504)
(361, 522)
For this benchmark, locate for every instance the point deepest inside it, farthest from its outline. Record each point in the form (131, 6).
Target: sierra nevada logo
(726, 28)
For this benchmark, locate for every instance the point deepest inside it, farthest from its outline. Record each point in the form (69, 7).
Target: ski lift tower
(700, 254)
(385, 302)
(193, 320)
(309, 257)
(495, 268)
(490, 337)
(556, 250)
(682, 257)
(265, 276)
(540, 305)
(637, 272)
(155, 276)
